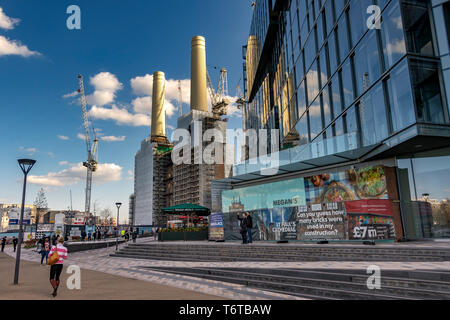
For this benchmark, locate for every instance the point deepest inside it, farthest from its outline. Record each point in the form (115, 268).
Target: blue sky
(119, 41)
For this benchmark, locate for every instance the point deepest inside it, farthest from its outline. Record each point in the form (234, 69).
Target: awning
(188, 208)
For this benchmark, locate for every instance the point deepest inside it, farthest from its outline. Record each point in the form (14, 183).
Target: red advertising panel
(376, 207)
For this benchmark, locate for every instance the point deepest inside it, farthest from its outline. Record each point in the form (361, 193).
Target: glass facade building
(345, 86)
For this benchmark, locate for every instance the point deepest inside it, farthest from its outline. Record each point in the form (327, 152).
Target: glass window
(417, 27)
(358, 18)
(302, 129)
(347, 84)
(351, 121)
(332, 53)
(400, 97)
(323, 67)
(339, 6)
(310, 50)
(301, 99)
(392, 35)
(367, 62)
(312, 82)
(336, 93)
(329, 21)
(425, 194)
(372, 112)
(320, 31)
(343, 38)
(315, 118)
(427, 91)
(326, 106)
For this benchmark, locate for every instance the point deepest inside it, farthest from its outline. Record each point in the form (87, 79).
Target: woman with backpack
(57, 255)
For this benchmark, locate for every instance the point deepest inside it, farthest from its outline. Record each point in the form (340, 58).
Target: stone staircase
(326, 284)
(279, 253)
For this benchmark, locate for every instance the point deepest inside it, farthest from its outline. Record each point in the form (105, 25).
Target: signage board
(216, 227)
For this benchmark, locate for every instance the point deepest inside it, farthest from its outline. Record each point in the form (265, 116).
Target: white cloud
(81, 136)
(71, 95)
(28, 150)
(121, 115)
(113, 138)
(143, 86)
(106, 85)
(14, 47)
(61, 137)
(6, 22)
(63, 163)
(77, 173)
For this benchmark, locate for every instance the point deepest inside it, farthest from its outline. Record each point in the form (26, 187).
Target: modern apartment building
(361, 105)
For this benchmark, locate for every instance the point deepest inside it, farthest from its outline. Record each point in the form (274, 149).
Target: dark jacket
(3, 241)
(15, 241)
(244, 223)
(249, 222)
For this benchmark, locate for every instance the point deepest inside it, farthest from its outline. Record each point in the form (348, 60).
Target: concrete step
(301, 284)
(282, 256)
(299, 287)
(443, 255)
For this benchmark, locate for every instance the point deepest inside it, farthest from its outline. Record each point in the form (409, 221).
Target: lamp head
(26, 165)
(118, 205)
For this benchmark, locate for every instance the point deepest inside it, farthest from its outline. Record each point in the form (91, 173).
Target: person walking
(95, 235)
(106, 234)
(15, 241)
(134, 236)
(249, 227)
(45, 250)
(54, 240)
(89, 236)
(56, 269)
(3, 243)
(243, 222)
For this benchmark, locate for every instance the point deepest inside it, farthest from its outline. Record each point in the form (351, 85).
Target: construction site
(158, 182)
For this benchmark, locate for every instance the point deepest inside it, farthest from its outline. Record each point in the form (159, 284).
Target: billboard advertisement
(321, 222)
(283, 194)
(216, 227)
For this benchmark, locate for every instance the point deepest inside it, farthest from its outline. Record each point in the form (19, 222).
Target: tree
(106, 214)
(40, 203)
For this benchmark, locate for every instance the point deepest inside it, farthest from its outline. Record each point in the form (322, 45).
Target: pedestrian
(95, 235)
(155, 234)
(243, 226)
(54, 240)
(3, 243)
(15, 241)
(89, 236)
(134, 236)
(56, 269)
(249, 227)
(106, 234)
(45, 250)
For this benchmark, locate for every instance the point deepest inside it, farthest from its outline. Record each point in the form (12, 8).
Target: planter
(183, 236)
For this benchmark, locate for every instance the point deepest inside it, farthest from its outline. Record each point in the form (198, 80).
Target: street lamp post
(118, 204)
(25, 165)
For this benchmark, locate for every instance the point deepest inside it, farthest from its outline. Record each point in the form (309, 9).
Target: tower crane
(92, 161)
(219, 97)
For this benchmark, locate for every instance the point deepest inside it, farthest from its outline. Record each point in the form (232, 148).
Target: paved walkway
(34, 285)
(99, 260)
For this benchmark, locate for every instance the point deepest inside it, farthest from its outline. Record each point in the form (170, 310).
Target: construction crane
(92, 161)
(219, 97)
(241, 101)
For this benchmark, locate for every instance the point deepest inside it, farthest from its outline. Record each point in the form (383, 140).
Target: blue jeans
(44, 254)
(249, 231)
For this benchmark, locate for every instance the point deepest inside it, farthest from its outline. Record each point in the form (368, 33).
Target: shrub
(184, 229)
